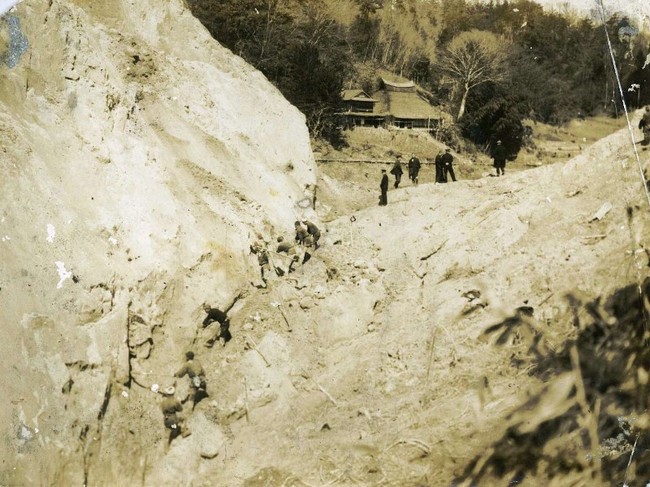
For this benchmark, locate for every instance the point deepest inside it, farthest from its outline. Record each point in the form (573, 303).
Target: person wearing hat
(170, 408)
(447, 165)
(499, 156)
(383, 186)
(194, 370)
(414, 168)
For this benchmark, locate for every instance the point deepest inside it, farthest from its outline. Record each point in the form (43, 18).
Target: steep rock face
(134, 149)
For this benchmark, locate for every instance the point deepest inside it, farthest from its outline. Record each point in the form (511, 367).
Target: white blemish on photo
(63, 273)
(51, 232)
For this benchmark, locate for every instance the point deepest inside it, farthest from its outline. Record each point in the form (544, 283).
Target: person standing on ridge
(383, 186)
(440, 173)
(447, 165)
(414, 168)
(397, 171)
(499, 156)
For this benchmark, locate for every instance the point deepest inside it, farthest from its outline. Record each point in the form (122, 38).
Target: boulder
(207, 439)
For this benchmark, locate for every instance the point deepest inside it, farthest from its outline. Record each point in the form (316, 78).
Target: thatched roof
(356, 95)
(398, 84)
(397, 98)
(405, 105)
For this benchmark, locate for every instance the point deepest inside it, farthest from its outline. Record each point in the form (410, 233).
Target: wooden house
(397, 104)
(360, 109)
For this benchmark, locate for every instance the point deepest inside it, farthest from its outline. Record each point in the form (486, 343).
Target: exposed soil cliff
(135, 152)
(139, 160)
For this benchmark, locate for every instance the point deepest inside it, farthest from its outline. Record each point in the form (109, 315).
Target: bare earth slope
(133, 148)
(381, 379)
(143, 157)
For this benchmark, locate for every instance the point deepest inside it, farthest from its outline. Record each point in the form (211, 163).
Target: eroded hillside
(134, 148)
(144, 159)
(386, 376)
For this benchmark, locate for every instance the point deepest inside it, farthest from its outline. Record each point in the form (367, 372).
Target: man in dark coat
(383, 186)
(499, 156)
(447, 165)
(194, 370)
(644, 124)
(440, 173)
(414, 168)
(397, 171)
(313, 231)
(215, 314)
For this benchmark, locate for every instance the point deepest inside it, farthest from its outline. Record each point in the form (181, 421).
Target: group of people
(307, 237)
(444, 164)
(171, 406)
(413, 166)
(444, 170)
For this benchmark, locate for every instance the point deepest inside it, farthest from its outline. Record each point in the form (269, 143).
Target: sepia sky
(637, 9)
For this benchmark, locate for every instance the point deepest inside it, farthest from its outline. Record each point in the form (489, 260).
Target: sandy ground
(350, 185)
(381, 380)
(367, 365)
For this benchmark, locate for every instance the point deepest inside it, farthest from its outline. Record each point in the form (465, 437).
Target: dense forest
(491, 65)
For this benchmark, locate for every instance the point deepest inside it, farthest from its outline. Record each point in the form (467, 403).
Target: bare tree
(471, 59)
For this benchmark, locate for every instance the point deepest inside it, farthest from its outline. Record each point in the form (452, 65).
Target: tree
(295, 43)
(316, 63)
(471, 59)
(497, 114)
